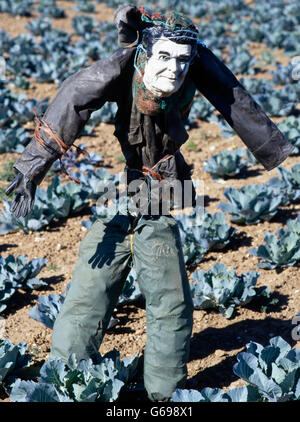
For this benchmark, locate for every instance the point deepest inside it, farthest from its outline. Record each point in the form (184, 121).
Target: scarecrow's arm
(78, 96)
(222, 89)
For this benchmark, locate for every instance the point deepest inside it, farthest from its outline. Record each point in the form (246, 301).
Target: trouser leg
(163, 280)
(102, 268)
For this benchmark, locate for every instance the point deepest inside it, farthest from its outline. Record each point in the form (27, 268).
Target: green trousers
(105, 256)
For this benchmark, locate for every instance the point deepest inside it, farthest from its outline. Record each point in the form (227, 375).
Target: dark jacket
(146, 139)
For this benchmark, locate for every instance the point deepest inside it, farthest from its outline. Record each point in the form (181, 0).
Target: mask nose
(173, 65)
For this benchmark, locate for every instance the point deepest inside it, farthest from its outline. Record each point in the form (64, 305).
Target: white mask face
(166, 69)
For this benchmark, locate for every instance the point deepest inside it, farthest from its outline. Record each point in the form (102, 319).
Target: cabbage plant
(208, 394)
(278, 251)
(84, 6)
(286, 190)
(241, 61)
(84, 381)
(222, 289)
(201, 232)
(280, 102)
(39, 26)
(272, 372)
(131, 291)
(50, 8)
(14, 140)
(21, 7)
(226, 163)
(201, 109)
(291, 180)
(17, 109)
(283, 75)
(83, 24)
(13, 360)
(48, 308)
(290, 127)
(251, 204)
(56, 202)
(294, 225)
(16, 273)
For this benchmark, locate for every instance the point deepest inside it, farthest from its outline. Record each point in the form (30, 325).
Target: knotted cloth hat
(131, 23)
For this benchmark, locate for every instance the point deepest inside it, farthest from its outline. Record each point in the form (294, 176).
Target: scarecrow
(153, 78)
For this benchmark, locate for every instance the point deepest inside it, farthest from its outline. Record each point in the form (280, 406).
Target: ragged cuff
(35, 161)
(273, 152)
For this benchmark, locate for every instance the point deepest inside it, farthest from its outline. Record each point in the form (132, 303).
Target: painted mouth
(170, 79)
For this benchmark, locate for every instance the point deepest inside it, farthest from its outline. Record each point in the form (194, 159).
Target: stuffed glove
(25, 192)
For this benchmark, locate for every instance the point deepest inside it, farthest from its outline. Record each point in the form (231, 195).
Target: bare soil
(215, 341)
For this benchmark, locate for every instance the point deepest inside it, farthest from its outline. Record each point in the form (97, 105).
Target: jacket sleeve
(222, 89)
(78, 96)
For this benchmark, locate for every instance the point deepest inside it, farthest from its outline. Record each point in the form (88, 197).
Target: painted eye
(184, 60)
(164, 58)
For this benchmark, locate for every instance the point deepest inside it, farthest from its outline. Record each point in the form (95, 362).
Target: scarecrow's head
(167, 61)
(166, 45)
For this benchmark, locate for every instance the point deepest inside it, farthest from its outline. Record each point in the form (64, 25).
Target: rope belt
(150, 170)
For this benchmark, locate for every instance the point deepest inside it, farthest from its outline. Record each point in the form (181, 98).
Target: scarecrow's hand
(25, 192)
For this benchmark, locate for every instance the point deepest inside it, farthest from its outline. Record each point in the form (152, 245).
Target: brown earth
(216, 341)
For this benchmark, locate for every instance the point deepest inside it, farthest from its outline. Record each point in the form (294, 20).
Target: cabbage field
(242, 256)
